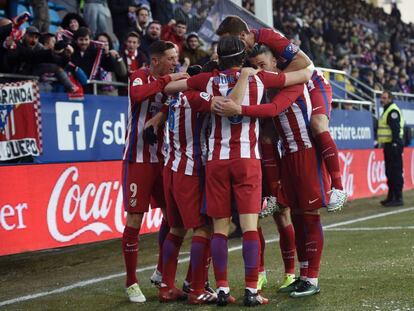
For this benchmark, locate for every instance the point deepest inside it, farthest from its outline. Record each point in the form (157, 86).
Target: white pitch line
(371, 228)
(186, 259)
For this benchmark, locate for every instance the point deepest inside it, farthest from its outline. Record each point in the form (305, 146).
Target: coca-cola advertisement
(363, 172)
(55, 205)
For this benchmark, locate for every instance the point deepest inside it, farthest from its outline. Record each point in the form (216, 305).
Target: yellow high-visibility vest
(384, 130)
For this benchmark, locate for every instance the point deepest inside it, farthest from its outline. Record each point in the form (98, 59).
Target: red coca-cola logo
(377, 180)
(76, 208)
(347, 177)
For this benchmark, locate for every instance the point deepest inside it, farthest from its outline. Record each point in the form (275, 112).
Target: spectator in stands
(48, 40)
(142, 20)
(120, 23)
(175, 32)
(152, 34)
(72, 22)
(133, 57)
(183, 12)
(40, 15)
(403, 83)
(98, 16)
(198, 19)
(392, 84)
(120, 69)
(85, 55)
(193, 51)
(162, 10)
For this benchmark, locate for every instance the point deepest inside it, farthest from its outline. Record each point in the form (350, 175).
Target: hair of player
(210, 66)
(159, 47)
(232, 25)
(259, 49)
(82, 32)
(231, 51)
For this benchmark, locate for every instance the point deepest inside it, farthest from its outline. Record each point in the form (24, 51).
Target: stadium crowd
(360, 39)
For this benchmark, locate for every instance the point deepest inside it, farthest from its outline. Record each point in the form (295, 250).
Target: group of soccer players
(230, 135)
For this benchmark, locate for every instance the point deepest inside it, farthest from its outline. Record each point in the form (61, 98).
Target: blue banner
(352, 129)
(89, 130)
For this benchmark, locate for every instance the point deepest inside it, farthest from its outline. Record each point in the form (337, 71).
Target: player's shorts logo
(133, 202)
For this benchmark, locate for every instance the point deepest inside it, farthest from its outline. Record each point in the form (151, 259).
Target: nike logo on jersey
(313, 201)
(316, 108)
(130, 245)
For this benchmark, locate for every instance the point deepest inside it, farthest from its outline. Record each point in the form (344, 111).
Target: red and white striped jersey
(185, 134)
(145, 101)
(293, 124)
(235, 137)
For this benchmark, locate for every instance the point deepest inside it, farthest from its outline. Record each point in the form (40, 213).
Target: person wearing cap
(193, 51)
(390, 135)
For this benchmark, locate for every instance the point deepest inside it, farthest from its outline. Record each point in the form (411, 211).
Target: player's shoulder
(139, 77)
(270, 33)
(193, 95)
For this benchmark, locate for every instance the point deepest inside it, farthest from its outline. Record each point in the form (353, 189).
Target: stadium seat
(53, 28)
(54, 17)
(2, 13)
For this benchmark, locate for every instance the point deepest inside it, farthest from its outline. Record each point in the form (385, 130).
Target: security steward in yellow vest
(390, 136)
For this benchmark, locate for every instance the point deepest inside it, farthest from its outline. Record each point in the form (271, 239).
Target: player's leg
(158, 201)
(136, 201)
(218, 194)
(247, 188)
(287, 245)
(315, 183)
(321, 98)
(172, 244)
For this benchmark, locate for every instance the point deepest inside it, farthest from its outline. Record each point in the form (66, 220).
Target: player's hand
(225, 107)
(156, 121)
(179, 76)
(249, 71)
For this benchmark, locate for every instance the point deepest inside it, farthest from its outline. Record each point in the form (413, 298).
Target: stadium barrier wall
(46, 206)
(94, 129)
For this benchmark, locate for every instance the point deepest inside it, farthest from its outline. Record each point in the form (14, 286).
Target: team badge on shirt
(137, 81)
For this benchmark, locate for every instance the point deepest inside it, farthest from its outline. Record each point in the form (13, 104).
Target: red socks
(300, 238)
(314, 243)
(251, 256)
(171, 249)
(327, 148)
(262, 249)
(130, 252)
(287, 247)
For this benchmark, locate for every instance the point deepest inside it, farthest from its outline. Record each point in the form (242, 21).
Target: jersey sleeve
(139, 90)
(199, 82)
(199, 101)
(278, 43)
(280, 103)
(272, 79)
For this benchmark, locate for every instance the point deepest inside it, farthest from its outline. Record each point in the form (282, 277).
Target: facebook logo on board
(70, 124)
